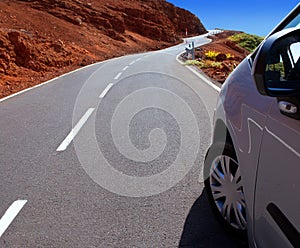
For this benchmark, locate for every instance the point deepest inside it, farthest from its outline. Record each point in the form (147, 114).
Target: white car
(252, 169)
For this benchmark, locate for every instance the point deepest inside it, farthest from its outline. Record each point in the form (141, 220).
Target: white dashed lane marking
(10, 215)
(118, 76)
(104, 92)
(64, 145)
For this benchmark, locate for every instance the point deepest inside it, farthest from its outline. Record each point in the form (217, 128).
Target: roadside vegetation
(247, 41)
(204, 64)
(219, 58)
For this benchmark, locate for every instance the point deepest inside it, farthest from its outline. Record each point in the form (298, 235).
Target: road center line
(104, 92)
(125, 68)
(63, 146)
(10, 215)
(118, 76)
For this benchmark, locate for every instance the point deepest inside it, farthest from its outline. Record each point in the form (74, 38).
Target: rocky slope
(218, 58)
(229, 56)
(45, 38)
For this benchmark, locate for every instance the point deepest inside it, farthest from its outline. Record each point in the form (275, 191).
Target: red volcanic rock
(224, 47)
(42, 39)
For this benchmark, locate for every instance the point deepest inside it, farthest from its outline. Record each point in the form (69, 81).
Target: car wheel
(224, 188)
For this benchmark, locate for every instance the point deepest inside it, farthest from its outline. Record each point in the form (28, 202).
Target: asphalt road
(129, 172)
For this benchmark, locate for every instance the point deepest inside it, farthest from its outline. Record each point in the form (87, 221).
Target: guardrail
(215, 31)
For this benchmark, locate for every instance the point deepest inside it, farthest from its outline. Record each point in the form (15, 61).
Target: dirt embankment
(42, 39)
(220, 57)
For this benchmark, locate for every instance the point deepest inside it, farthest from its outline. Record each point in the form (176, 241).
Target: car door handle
(288, 107)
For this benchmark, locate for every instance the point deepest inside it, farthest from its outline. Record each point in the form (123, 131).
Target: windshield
(294, 23)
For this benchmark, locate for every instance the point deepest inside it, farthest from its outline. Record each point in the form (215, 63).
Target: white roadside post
(190, 49)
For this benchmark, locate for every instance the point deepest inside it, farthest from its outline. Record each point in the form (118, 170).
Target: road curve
(109, 156)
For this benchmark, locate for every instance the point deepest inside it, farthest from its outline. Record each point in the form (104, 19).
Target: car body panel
(235, 102)
(267, 148)
(278, 178)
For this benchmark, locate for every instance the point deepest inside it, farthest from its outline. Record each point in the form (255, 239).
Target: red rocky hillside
(45, 38)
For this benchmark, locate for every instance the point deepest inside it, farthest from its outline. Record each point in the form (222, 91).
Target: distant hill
(45, 38)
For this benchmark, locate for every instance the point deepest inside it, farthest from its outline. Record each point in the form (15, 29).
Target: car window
(283, 61)
(294, 23)
(295, 52)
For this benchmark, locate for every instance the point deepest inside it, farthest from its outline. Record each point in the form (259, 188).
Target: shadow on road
(201, 229)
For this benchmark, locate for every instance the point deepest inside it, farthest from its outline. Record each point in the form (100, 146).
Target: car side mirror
(276, 68)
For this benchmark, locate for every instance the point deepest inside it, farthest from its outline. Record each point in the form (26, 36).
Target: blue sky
(254, 17)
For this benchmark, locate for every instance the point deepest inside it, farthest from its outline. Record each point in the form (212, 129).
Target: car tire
(224, 188)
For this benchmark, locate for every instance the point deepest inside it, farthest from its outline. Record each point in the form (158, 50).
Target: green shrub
(194, 62)
(210, 64)
(216, 64)
(247, 41)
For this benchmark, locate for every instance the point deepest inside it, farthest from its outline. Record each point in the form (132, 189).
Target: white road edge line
(201, 177)
(204, 79)
(118, 76)
(11, 214)
(53, 79)
(199, 75)
(104, 92)
(66, 74)
(64, 145)
(125, 68)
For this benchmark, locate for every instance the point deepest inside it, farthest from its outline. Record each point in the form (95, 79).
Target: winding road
(110, 156)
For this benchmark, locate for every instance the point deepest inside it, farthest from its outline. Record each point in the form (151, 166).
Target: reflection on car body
(252, 167)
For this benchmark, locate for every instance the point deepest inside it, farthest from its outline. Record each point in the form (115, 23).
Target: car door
(277, 193)
(277, 201)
